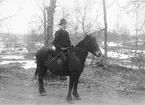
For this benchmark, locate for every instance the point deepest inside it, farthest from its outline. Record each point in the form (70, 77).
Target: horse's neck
(81, 52)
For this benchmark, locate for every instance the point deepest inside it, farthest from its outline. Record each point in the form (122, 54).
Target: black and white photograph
(72, 52)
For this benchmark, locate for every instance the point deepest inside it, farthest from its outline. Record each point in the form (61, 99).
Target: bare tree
(50, 17)
(65, 13)
(82, 17)
(105, 31)
(141, 3)
(124, 36)
(136, 6)
(43, 18)
(10, 16)
(46, 19)
(74, 27)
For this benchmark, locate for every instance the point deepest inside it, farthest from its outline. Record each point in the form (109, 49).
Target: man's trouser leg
(65, 58)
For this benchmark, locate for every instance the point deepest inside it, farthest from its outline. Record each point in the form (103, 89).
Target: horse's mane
(82, 41)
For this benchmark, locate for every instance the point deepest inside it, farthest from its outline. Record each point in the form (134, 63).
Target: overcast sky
(21, 23)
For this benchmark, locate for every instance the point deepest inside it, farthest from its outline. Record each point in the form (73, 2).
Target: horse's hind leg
(36, 72)
(42, 71)
(75, 92)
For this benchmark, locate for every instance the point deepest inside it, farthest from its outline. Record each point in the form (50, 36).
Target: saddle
(62, 57)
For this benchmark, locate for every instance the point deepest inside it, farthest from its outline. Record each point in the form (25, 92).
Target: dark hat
(63, 21)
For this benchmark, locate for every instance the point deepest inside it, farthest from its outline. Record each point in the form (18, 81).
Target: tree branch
(41, 19)
(112, 3)
(2, 19)
(131, 2)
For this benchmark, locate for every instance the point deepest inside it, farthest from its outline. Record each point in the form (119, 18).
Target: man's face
(63, 26)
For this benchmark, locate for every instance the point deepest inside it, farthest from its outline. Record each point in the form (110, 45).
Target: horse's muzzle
(98, 53)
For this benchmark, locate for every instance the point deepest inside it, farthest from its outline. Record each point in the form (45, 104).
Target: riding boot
(63, 57)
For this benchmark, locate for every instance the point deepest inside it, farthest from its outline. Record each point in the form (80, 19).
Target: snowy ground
(26, 63)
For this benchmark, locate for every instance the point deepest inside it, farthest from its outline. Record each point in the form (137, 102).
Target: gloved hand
(63, 48)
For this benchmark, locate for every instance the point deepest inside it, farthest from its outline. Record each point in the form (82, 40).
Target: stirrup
(63, 78)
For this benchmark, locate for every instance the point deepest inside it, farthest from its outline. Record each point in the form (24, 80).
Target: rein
(81, 48)
(47, 63)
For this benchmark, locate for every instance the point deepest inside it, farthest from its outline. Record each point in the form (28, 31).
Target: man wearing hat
(62, 42)
(62, 38)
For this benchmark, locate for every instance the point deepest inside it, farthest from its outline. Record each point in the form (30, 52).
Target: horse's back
(42, 53)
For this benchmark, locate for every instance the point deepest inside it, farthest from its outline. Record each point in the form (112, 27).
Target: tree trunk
(105, 32)
(136, 42)
(50, 18)
(45, 26)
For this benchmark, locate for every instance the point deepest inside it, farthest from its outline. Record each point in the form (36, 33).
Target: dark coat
(62, 39)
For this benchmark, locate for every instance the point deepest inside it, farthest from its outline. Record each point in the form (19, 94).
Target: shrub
(138, 61)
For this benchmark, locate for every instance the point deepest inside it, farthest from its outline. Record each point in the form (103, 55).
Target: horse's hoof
(70, 102)
(69, 99)
(78, 98)
(43, 94)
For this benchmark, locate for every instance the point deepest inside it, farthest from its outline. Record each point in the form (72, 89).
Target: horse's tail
(36, 72)
(37, 68)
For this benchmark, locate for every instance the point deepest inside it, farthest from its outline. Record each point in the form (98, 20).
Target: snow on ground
(29, 64)
(113, 44)
(113, 54)
(102, 50)
(138, 51)
(12, 57)
(118, 55)
(25, 63)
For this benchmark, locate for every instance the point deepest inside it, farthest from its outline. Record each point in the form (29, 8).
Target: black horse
(88, 44)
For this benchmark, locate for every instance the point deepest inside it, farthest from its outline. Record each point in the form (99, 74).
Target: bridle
(82, 49)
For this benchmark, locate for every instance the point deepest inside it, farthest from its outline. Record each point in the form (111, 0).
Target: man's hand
(63, 48)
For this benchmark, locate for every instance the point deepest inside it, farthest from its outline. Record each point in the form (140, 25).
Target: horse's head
(92, 45)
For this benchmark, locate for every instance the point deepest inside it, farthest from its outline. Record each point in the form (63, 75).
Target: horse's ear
(92, 35)
(86, 36)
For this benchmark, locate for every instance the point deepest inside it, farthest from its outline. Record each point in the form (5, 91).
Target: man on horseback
(62, 42)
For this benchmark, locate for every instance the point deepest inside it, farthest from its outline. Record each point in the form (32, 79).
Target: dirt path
(19, 89)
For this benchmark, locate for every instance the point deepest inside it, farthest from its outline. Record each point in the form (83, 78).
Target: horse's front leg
(75, 92)
(71, 80)
(40, 79)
